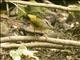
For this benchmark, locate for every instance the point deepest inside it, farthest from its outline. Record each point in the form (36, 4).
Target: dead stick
(47, 5)
(34, 44)
(42, 39)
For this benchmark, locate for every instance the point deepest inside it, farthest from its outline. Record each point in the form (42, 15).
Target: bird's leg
(45, 35)
(35, 34)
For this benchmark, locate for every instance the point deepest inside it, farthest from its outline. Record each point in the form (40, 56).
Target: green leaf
(21, 49)
(21, 12)
(15, 55)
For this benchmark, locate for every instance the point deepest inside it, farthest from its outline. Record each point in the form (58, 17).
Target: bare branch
(41, 39)
(46, 5)
(34, 44)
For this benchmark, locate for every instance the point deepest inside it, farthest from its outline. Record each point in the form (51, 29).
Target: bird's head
(32, 17)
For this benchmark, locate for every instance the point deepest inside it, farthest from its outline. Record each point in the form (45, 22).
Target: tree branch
(35, 44)
(46, 5)
(40, 39)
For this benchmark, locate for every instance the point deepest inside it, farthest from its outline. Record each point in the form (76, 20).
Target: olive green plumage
(38, 23)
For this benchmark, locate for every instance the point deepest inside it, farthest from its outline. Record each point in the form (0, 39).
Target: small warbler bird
(39, 24)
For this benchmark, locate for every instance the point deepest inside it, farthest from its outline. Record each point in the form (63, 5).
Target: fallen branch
(41, 39)
(47, 5)
(34, 44)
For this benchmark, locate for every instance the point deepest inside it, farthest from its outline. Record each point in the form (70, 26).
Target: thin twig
(7, 7)
(19, 8)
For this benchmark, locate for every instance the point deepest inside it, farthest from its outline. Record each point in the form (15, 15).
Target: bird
(39, 23)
